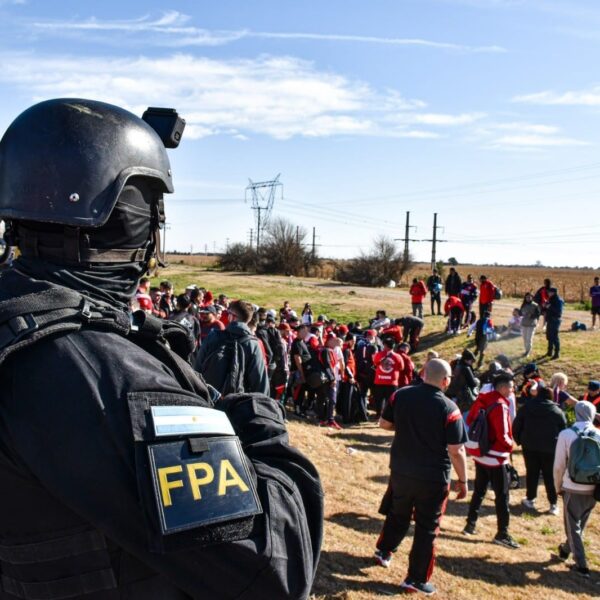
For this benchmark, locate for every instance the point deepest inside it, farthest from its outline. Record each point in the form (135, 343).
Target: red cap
(342, 330)
(371, 332)
(284, 327)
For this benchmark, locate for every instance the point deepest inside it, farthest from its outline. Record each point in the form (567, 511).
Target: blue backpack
(584, 457)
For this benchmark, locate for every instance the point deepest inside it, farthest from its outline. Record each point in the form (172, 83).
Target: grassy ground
(354, 480)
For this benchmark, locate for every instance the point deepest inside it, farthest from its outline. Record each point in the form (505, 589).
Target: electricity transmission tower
(262, 194)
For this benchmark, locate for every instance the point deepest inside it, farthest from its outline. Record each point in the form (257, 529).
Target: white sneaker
(527, 503)
(554, 510)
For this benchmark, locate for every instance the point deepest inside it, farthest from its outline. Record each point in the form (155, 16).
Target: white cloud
(520, 135)
(172, 29)
(439, 119)
(277, 96)
(589, 97)
(536, 141)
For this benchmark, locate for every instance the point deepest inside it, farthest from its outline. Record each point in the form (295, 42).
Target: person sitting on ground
(560, 395)
(491, 468)
(381, 321)
(417, 291)
(285, 312)
(408, 372)
(592, 395)
(464, 387)
(388, 366)
(431, 354)
(578, 498)
(531, 381)
(394, 331)
(514, 323)
(536, 428)
(307, 314)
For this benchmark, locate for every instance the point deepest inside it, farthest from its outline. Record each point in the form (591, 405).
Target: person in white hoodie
(578, 498)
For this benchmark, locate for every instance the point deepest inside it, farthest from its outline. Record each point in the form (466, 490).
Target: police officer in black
(121, 476)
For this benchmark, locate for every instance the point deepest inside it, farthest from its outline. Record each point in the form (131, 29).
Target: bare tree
(384, 262)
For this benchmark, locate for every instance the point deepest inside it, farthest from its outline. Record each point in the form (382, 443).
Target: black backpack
(479, 438)
(223, 368)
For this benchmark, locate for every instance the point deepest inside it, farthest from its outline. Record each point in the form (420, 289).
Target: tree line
(285, 251)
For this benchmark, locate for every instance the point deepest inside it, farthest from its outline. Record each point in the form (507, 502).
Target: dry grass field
(573, 284)
(467, 568)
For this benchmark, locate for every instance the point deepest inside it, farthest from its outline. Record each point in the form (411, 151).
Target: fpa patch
(201, 481)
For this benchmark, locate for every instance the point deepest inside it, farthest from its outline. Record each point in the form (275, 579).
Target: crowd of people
(342, 373)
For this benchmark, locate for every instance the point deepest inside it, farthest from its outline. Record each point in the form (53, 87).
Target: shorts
(596, 310)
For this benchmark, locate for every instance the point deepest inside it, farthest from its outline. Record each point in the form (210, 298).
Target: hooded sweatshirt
(584, 418)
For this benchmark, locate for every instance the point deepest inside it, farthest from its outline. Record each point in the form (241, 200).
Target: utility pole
(297, 235)
(406, 239)
(314, 245)
(434, 241)
(251, 237)
(262, 194)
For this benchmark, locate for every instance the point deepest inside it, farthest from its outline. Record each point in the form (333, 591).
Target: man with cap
(491, 467)
(554, 310)
(184, 316)
(578, 498)
(531, 381)
(209, 321)
(592, 395)
(125, 478)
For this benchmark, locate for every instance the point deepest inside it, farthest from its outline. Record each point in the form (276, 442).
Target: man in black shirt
(429, 438)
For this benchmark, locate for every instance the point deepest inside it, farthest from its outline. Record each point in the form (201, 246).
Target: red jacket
(453, 302)
(388, 366)
(408, 372)
(417, 292)
(394, 331)
(499, 430)
(487, 292)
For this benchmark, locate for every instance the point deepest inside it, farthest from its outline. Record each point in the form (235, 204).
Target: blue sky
(484, 111)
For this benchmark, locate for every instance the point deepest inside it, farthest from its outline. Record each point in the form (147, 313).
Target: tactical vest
(103, 570)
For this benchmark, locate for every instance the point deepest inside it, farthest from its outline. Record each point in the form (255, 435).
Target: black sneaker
(412, 587)
(470, 529)
(583, 571)
(563, 551)
(504, 539)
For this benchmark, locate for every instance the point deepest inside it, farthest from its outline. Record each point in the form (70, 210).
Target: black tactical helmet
(81, 181)
(66, 161)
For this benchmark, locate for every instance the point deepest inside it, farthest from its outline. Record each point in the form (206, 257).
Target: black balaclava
(130, 226)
